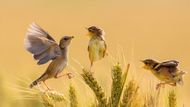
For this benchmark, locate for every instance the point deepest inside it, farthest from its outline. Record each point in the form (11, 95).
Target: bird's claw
(158, 86)
(70, 75)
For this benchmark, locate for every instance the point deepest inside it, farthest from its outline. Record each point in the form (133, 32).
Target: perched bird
(44, 48)
(167, 71)
(97, 45)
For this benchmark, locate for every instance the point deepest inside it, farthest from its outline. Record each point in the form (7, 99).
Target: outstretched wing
(41, 44)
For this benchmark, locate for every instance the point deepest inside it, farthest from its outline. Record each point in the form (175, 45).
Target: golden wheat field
(134, 30)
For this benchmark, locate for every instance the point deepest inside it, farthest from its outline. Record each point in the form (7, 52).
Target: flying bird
(44, 49)
(97, 45)
(166, 71)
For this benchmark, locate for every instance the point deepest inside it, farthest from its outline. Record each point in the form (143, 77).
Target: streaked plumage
(166, 71)
(44, 48)
(97, 45)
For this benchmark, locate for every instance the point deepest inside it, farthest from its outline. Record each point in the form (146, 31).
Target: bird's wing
(171, 63)
(104, 50)
(41, 44)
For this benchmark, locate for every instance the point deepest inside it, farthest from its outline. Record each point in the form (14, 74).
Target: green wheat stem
(73, 97)
(116, 85)
(172, 99)
(93, 84)
(130, 95)
(151, 99)
(124, 78)
(118, 82)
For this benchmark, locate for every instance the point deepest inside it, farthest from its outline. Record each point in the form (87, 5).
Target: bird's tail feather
(34, 83)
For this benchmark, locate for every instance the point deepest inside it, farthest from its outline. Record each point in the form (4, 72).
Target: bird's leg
(162, 84)
(70, 75)
(107, 54)
(172, 84)
(46, 85)
(91, 64)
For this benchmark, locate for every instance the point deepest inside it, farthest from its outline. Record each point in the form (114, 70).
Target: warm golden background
(156, 29)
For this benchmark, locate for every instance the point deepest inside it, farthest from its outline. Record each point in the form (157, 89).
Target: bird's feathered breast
(57, 65)
(97, 49)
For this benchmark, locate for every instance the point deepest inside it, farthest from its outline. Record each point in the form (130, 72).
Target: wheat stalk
(172, 99)
(56, 96)
(93, 84)
(130, 95)
(46, 100)
(73, 97)
(152, 99)
(116, 85)
(49, 98)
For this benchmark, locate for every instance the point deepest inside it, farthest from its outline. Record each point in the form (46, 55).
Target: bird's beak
(142, 61)
(86, 28)
(89, 33)
(145, 67)
(72, 37)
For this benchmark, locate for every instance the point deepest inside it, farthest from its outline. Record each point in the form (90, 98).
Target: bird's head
(65, 41)
(95, 31)
(149, 63)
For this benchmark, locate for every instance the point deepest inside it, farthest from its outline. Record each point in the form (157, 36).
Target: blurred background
(137, 29)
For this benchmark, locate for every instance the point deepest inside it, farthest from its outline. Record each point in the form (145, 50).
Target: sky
(139, 29)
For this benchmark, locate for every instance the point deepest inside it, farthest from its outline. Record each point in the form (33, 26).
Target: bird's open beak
(145, 66)
(142, 61)
(89, 33)
(72, 37)
(86, 28)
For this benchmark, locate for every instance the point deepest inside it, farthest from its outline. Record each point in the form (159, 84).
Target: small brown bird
(97, 45)
(44, 48)
(167, 71)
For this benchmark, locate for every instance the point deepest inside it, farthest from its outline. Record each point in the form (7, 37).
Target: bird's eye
(91, 30)
(145, 63)
(65, 38)
(179, 79)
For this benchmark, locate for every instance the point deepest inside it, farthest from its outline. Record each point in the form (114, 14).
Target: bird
(97, 46)
(167, 71)
(44, 49)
